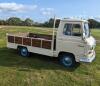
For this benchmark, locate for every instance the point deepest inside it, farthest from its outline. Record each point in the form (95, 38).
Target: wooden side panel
(27, 41)
(46, 44)
(11, 39)
(36, 43)
(48, 37)
(18, 40)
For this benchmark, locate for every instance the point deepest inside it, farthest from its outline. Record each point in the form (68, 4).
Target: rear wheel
(67, 60)
(23, 51)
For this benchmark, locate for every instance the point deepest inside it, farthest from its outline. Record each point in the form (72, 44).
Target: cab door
(70, 39)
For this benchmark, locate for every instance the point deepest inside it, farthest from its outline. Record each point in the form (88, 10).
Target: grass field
(41, 70)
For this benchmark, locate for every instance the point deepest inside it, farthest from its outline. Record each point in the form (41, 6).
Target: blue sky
(41, 10)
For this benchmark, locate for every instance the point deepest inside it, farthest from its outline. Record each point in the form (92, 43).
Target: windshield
(86, 30)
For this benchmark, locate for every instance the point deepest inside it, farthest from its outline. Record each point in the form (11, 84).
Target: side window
(67, 29)
(72, 29)
(76, 30)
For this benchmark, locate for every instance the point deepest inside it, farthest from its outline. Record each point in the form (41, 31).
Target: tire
(23, 52)
(67, 60)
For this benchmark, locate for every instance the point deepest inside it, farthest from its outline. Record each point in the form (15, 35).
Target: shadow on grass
(10, 58)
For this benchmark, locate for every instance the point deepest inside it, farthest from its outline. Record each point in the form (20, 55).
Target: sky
(42, 10)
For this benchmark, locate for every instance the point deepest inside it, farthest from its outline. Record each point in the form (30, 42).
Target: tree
(57, 23)
(46, 24)
(2, 22)
(51, 22)
(93, 23)
(14, 21)
(28, 22)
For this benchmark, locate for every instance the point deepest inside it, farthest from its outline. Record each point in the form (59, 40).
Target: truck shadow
(10, 58)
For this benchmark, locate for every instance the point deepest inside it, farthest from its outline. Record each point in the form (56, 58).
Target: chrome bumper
(89, 58)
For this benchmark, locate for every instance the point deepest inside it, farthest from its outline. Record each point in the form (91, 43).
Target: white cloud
(14, 7)
(47, 11)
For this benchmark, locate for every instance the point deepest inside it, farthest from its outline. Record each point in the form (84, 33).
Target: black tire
(23, 51)
(67, 60)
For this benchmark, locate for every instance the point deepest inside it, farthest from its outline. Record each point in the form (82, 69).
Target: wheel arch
(20, 46)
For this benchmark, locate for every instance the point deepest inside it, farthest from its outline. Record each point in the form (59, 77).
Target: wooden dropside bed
(31, 39)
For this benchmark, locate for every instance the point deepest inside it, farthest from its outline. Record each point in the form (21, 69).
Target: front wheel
(67, 60)
(23, 51)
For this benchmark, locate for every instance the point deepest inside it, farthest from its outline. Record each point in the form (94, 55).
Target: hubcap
(24, 52)
(67, 61)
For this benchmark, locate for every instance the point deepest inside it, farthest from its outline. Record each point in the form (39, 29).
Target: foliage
(29, 22)
(14, 21)
(93, 23)
(50, 23)
(2, 22)
(17, 22)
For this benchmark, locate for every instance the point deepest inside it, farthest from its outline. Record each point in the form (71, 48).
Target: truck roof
(74, 20)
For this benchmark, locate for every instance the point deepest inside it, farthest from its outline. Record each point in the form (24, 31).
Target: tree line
(29, 22)
(17, 22)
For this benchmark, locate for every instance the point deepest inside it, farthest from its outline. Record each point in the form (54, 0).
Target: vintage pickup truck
(72, 43)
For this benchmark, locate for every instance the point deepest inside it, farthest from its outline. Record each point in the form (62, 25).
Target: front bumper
(89, 58)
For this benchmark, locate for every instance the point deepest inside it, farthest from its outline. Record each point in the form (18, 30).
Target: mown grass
(39, 70)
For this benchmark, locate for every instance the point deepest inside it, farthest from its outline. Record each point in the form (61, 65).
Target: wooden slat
(36, 43)
(46, 44)
(11, 39)
(18, 40)
(27, 41)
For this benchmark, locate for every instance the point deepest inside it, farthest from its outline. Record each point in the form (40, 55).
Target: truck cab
(72, 43)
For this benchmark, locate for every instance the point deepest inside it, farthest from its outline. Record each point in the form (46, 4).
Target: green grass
(41, 70)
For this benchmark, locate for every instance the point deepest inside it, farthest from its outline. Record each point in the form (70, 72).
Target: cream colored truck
(72, 43)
